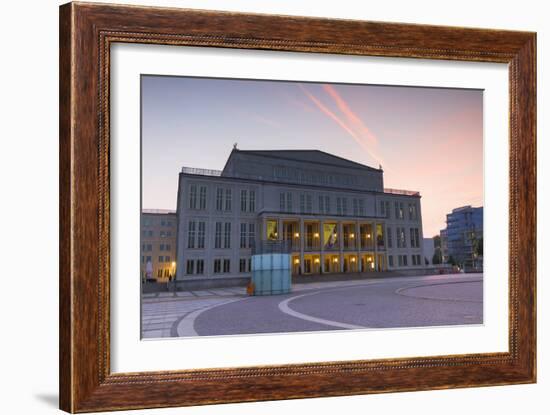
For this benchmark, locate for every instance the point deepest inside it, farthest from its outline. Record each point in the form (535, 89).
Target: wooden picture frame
(86, 33)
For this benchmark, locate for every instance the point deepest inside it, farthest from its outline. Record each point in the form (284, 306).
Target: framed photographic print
(258, 207)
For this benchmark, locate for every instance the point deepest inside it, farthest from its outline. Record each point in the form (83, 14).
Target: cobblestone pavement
(388, 302)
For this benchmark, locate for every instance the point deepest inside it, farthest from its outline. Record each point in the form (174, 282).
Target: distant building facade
(461, 237)
(334, 213)
(429, 250)
(158, 245)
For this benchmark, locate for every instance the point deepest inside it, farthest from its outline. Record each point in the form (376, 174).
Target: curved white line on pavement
(283, 306)
(186, 327)
(401, 291)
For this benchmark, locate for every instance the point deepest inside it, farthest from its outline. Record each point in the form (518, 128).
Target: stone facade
(158, 245)
(334, 213)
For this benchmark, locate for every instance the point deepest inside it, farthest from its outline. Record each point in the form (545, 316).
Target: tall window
(413, 214)
(191, 235)
(288, 202)
(219, 198)
(415, 238)
(244, 200)
(252, 201)
(344, 206)
(217, 266)
(227, 199)
(399, 214)
(385, 209)
(227, 235)
(201, 235)
(309, 203)
(327, 204)
(251, 235)
(226, 265)
(218, 235)
(193, 196)
(390, 240)
(285, 202)
(321, 204)
(202, 198)
(338, 205)
(190, 267)
(244, 265)
(401, 238)
(243, 235)
(362, 211)
(200, 266)
(358, 207)
(302, 203)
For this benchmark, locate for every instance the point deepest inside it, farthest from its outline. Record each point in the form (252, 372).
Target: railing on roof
(159, 211)
(201, 172)
(402, 192)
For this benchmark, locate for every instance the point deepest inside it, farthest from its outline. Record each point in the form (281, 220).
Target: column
(322, 245)
(358, 246)
(340, 229)
(375, 246)
(302, 243)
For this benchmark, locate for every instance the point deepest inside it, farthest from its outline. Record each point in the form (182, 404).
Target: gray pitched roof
(311, 156)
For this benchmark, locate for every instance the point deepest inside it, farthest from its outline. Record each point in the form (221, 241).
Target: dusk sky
(426, 139)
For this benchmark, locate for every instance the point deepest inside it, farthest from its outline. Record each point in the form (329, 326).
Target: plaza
(368, 303)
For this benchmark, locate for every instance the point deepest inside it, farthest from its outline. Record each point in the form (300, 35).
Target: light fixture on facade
(352, 259)
(352, 235)
(372, 265)
(368, 236)
(296, 235)
(316, 235)
(296, 261)
(316, 260)
(335, 260)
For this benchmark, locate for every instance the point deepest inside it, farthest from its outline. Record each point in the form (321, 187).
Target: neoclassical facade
(334, 214)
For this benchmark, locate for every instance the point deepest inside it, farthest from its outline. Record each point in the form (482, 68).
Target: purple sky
(426, 139)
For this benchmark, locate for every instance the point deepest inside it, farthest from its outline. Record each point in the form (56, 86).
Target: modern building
(334, 214)
(158, 245)
(461, 237)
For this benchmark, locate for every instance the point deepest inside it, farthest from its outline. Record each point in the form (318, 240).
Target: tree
(436, 259)
(478, 247)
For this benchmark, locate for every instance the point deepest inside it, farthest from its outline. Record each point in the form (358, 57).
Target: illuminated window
(272, 231)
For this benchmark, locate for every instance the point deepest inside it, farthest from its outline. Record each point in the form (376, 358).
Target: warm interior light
(316, 234)
(372, 265)
(368, 235)
(352, 259)
(296, 261)
(352, 235)
(369, 259)
(316, 260)
(296, 235)
(335, 260)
